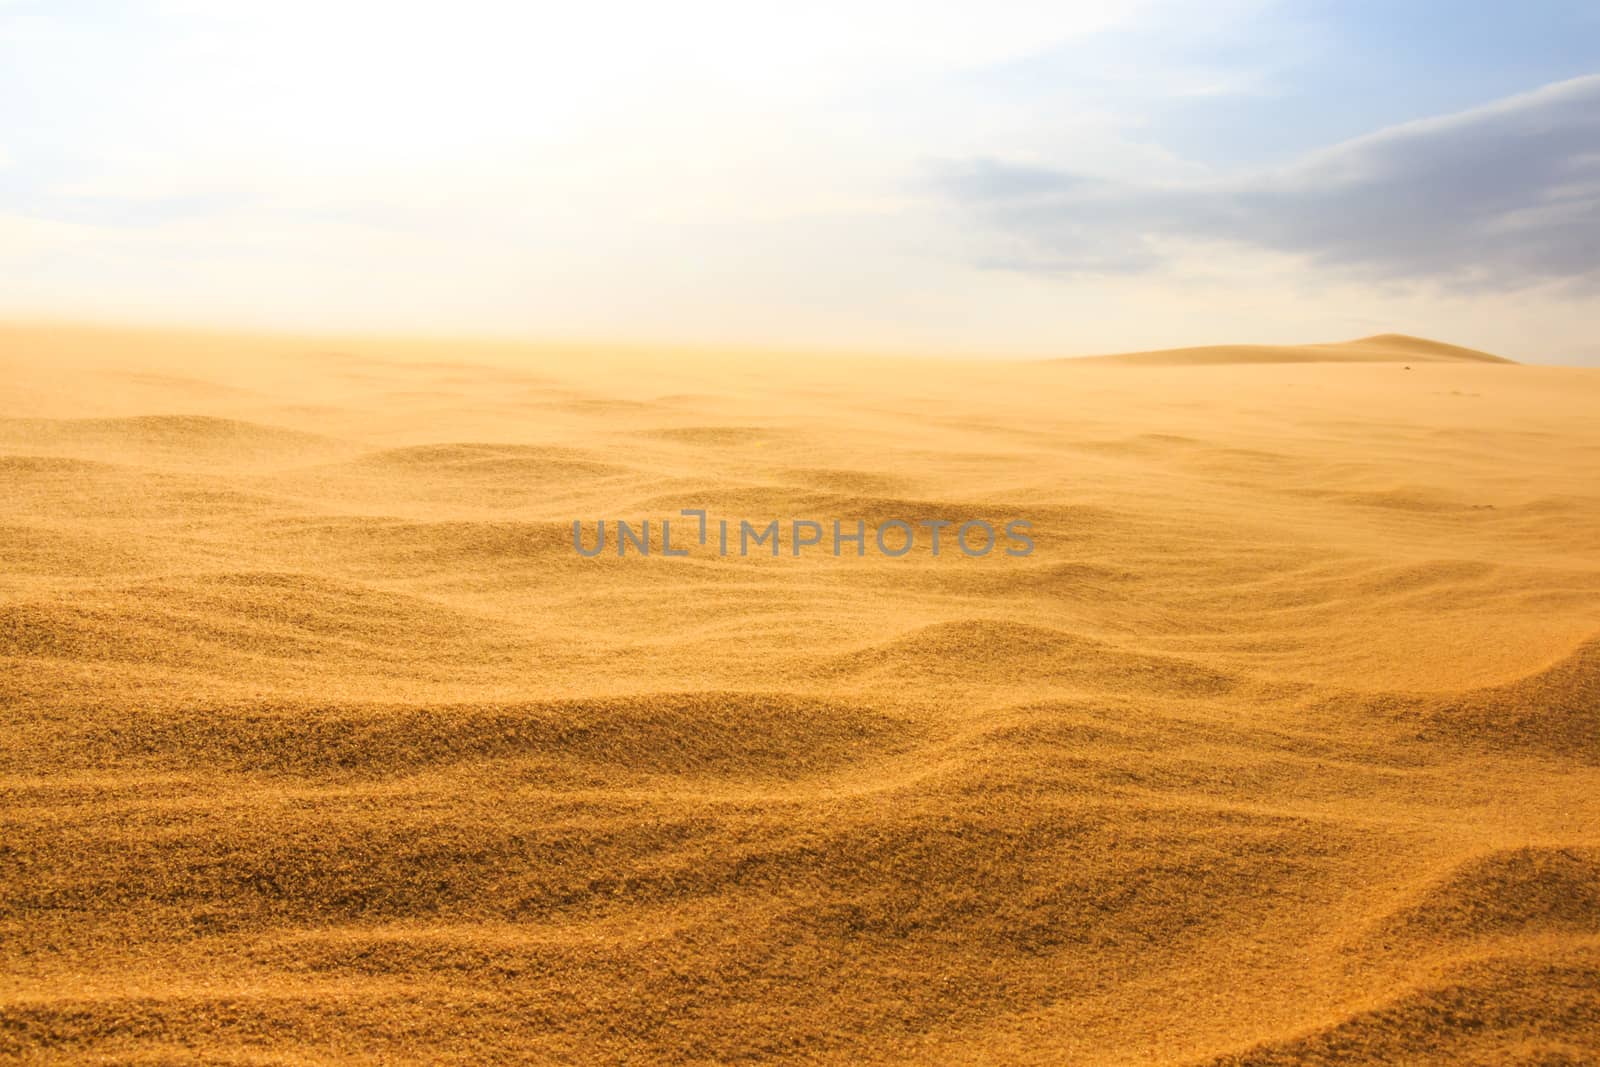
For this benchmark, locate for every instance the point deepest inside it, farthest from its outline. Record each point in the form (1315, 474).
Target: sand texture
(320, 744)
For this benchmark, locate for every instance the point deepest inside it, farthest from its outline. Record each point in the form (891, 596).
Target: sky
(1003, 178)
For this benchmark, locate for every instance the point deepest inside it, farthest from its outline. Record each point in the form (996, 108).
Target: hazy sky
(1008, 178)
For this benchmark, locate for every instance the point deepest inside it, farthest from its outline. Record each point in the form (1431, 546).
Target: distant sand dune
(1382, 348)
(319, 743)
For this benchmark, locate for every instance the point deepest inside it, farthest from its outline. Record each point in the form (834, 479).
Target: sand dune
(322, 744)
(1382, 348)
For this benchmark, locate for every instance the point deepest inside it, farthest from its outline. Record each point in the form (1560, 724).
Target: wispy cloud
(1504, 195)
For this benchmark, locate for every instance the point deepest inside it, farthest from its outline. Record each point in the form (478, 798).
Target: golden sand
(322, 745)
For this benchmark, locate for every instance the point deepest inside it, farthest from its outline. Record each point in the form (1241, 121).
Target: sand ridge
(1380, 348)
(321, 744)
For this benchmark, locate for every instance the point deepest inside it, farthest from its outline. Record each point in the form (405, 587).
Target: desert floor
(320, 744)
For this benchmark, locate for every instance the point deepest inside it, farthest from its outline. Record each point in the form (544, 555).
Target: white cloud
(1506, 195)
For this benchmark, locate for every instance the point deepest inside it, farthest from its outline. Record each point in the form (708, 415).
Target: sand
(320, 744)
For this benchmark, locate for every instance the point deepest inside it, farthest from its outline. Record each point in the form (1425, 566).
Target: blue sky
(1336, 69)
(1009, 178)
